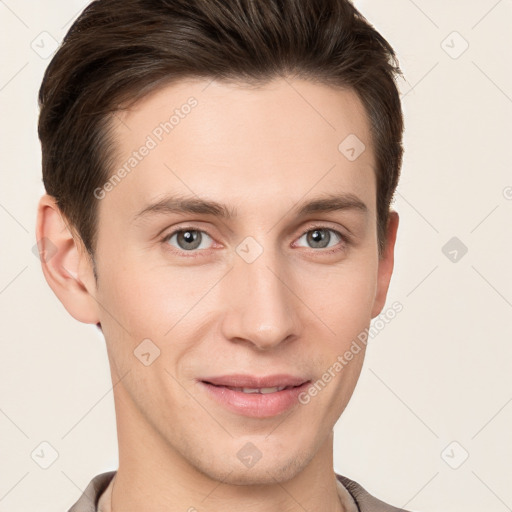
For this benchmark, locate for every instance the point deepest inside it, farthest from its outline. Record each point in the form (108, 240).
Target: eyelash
(344, 240)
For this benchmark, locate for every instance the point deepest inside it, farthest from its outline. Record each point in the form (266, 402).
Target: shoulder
(89, 500)
(365, 501)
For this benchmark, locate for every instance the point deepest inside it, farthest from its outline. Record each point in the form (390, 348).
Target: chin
(263, 472)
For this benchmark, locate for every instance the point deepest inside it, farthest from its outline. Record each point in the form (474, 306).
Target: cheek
(158, 302)
(142, 297)
(343, 294)
(132, 301)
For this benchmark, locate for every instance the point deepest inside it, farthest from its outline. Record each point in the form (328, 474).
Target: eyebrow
(190, 204)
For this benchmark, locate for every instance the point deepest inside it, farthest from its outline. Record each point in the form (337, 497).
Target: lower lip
(255, 405)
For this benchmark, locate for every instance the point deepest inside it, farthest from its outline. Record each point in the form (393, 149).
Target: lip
(255, 405)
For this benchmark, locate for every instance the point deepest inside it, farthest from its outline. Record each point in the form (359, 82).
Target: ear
(386, 262)
(66, 265)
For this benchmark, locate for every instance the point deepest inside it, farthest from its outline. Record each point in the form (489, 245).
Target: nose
(261, 308)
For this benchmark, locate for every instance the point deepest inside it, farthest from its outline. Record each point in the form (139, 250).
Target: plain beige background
(429, 425)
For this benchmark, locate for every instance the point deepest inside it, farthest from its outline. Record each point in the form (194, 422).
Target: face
(241, 242)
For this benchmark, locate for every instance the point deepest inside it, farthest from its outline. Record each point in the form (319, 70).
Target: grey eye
(188, 239)
(320, 238)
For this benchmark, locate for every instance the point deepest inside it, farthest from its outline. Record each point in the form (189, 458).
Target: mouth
(256, 397)
(262, 391)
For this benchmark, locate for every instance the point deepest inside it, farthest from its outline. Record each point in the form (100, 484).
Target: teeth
(263, 391)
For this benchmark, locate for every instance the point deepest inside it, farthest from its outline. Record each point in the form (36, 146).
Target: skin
(263, 151)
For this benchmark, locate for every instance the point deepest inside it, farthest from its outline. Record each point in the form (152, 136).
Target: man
(219, 178)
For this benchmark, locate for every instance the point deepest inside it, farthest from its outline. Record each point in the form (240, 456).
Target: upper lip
(255, 382)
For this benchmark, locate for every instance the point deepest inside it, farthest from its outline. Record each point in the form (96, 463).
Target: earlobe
(386, 263)
(66, 265)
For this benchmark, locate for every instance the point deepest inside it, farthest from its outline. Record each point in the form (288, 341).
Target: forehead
(243, 143)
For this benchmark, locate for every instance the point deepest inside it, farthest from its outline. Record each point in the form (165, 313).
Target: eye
(321, 238)
(188, 239)
(191, 240)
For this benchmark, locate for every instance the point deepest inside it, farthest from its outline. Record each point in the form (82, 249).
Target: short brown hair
(119, 50)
